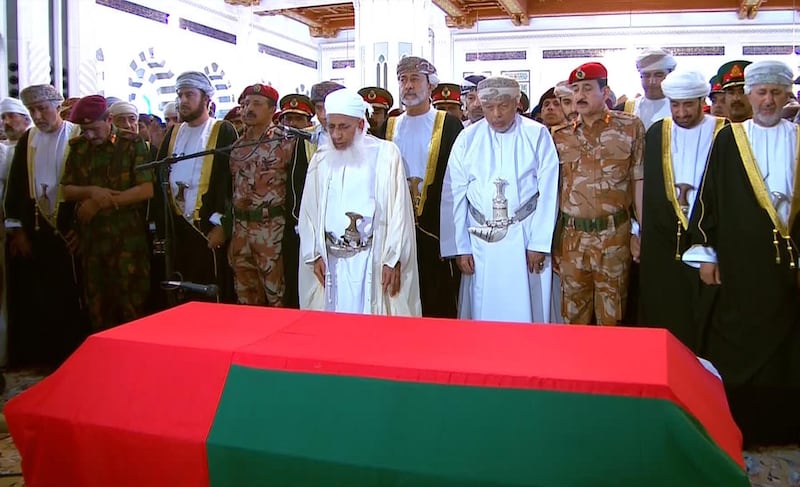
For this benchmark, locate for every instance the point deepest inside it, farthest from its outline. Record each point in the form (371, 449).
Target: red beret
(88, 109)
(233, 113)
(588, 72)
(259, 89)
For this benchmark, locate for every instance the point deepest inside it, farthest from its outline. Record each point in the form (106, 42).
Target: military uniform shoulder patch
(620, 114)
(76, 140)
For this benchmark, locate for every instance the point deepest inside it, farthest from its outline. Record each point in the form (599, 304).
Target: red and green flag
(215, 395)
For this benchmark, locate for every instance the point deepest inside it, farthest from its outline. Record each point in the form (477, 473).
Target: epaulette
(556, 128)
(618, 114)
(76, 139)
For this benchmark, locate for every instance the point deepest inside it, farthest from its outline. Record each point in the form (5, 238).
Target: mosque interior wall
(134, 50)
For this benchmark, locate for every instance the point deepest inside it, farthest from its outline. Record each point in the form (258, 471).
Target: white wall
(117, 50)
(627, 32)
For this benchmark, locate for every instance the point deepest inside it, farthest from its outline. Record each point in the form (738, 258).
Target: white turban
(171, 109)
(346, 102)
(562, 90)
(685, 85)
(12, 105)
(123, 108)
(498, 87)
(655, 60)
(194, 79)
(767, 72)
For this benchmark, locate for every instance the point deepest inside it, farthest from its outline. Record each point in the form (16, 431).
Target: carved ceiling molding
(327, 20)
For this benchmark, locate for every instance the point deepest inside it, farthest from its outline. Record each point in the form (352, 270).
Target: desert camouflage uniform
(113, 246)
(259, 217)
(598, 167)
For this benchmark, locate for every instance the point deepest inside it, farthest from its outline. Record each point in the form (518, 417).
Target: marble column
(387, 30)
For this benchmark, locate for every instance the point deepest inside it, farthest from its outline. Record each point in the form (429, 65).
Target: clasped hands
(99, 199)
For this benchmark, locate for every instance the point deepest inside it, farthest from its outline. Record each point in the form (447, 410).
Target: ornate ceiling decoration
(322, 20)
(325, 18)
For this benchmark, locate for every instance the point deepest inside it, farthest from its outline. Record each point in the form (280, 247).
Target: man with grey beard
(357, 246)
(499, 206)
(425, 137)
(44, 315)
(745, 238)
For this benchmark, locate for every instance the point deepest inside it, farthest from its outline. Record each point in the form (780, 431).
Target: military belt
(258, 214)
(595, 224)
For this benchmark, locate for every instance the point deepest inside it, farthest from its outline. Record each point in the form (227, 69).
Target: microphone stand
(164, 167)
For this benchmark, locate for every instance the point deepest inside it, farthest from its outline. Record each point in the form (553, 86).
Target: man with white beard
(356, 221)
(746, 237)
(499, 203)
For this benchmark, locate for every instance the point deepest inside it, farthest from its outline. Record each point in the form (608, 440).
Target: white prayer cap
(123, 108)
(767, 72)
(12, 105)
(563, 90)
(194, 79)
(346, 102)
(655, 60)
(685, 85)
(498, 87)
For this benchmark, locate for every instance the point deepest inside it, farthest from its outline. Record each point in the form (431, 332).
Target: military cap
(377, 97)
(296, 103)
(716, 86)
(524, 102)
(732, 73)
(446, 93)
(88, 109)
(66, 107)
(262, 90)
(588, 72)
(233, 113)
(551, 93)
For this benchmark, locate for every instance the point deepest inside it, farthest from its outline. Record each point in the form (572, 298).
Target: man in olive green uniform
(601, 176)
(381, 101)
(296, 111)
(259, 174)
(100, 174)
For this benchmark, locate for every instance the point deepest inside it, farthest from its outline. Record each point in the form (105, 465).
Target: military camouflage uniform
(114, 250)
(259, 217)
(598, 167)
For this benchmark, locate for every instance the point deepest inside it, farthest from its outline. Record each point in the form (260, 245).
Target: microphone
(296, 133)
(205, 289)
